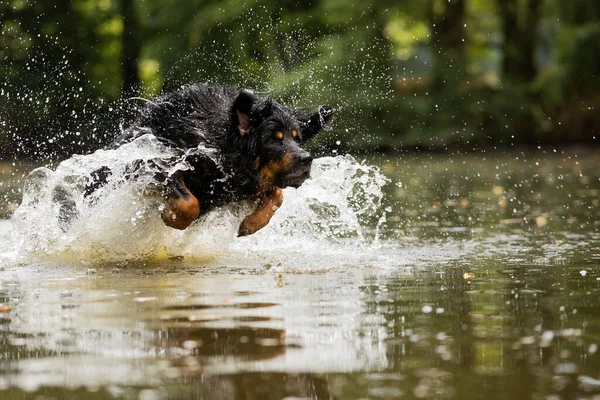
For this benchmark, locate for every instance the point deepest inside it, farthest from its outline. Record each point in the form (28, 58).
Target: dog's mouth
(296, 179)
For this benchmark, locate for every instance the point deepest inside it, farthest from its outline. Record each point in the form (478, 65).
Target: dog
(240, 146)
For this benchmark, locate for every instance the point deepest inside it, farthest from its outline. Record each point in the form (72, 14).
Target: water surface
(430, 276)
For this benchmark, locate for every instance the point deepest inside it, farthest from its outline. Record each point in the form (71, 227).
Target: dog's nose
(305, 159)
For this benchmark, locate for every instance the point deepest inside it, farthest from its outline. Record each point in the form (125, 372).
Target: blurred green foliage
(426, 74)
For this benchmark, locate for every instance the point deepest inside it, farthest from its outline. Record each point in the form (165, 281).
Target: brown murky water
(483, 282)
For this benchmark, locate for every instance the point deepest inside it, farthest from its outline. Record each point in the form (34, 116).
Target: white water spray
(121, 221)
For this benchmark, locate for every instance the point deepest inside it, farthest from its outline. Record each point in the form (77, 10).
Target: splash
(120, 222)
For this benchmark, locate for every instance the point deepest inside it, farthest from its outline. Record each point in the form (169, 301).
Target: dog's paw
(248, 227)
(243, 232)
(180, 213)
(262, 214)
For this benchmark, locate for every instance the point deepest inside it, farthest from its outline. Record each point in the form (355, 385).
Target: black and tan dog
(240, 146)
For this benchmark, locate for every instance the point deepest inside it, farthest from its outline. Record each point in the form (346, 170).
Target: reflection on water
(482, 282)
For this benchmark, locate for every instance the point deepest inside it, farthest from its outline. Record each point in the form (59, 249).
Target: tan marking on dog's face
(279, 135)
(270, 172)
(257, 162)
(294, 133)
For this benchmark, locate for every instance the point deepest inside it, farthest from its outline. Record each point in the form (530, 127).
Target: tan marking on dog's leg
(181, 211)
(263, 213)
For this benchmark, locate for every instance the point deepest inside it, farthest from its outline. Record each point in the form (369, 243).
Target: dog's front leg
(182, 207)
(263, 213)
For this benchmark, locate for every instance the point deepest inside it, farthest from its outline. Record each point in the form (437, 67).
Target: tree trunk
(130, 50)
(448, 43)
(519, 25)
(519, 39)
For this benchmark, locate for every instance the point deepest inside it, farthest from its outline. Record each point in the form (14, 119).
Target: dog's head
(278, 135)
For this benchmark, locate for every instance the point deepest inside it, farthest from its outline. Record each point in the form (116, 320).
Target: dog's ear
(242, 107)
(317, 121)
(267, 109)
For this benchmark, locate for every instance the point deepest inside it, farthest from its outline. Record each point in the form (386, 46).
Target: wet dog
(238, 146)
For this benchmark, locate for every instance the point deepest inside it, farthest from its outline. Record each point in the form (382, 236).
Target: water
(420, 276)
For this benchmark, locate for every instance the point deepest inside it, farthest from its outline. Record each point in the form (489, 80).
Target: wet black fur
(223, 133)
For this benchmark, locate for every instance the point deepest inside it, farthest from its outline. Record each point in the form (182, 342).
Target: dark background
(431, 74)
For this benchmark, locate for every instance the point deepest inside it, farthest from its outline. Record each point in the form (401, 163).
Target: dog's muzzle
(300, 172)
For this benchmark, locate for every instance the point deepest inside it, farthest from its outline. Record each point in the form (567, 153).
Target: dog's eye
(295, 135)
